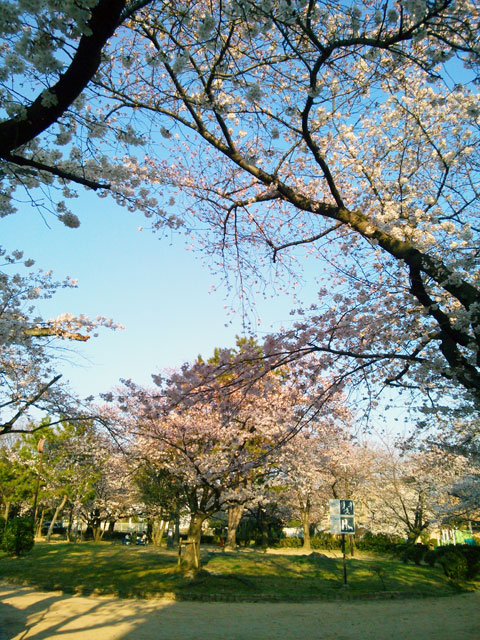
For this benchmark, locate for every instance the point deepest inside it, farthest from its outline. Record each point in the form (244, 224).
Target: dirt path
(29, 614)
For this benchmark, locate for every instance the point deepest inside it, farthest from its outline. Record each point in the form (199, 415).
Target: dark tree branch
(17, 132)
(7, 427)
(56, 171)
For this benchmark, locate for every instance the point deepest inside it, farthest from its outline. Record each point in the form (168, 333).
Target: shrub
(472, 557)
(207, 538)
(18, 536)
(454, 565)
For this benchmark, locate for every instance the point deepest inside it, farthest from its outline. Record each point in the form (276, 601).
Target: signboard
(342, 516)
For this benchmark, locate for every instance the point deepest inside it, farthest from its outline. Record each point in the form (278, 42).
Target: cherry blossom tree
(307, 466)
(459, 437)
(112, 493)
(213, 438)
(50, 54)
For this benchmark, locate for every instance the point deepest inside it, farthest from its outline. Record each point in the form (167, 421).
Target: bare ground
(27, 614)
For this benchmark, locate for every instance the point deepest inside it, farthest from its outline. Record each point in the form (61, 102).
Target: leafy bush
(18, 536)
(470, 553)
(472, 556)
(454, 565)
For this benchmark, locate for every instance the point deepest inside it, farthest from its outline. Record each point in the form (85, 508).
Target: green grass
(107, 568)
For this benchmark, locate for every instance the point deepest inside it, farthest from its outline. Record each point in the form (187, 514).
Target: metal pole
(344, 561)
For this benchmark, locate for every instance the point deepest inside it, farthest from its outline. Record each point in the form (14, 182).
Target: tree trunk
(176, 536)
(234, 516)
(157, 531)
(98, 532)
(352, 545)
(306, 528)
(58, 510)
(262, 528)
(38, 532)
(191, 558)
(413, 535)
(70, 524)
(7, 511)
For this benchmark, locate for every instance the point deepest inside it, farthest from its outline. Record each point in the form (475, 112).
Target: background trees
(306, 466)
(79, 473)
(161, 499)
(410, 494)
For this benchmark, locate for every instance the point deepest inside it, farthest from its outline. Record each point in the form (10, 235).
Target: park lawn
(143, 572)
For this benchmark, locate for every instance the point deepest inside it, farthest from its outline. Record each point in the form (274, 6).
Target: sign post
(342, 521)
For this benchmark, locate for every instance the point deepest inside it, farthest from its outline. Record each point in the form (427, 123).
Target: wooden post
(179, 561)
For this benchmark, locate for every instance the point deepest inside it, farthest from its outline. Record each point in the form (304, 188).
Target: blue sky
(153, 286)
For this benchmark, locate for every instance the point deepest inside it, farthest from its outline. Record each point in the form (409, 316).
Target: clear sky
(154, 286)
(160, 291)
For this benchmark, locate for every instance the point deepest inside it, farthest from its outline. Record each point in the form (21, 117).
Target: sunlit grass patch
(113, 569)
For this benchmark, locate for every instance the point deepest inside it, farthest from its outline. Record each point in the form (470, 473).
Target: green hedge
(319, 541)
(413, 552)
(454, 565)
(379, 542)
(289, 543)
(324, 540)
